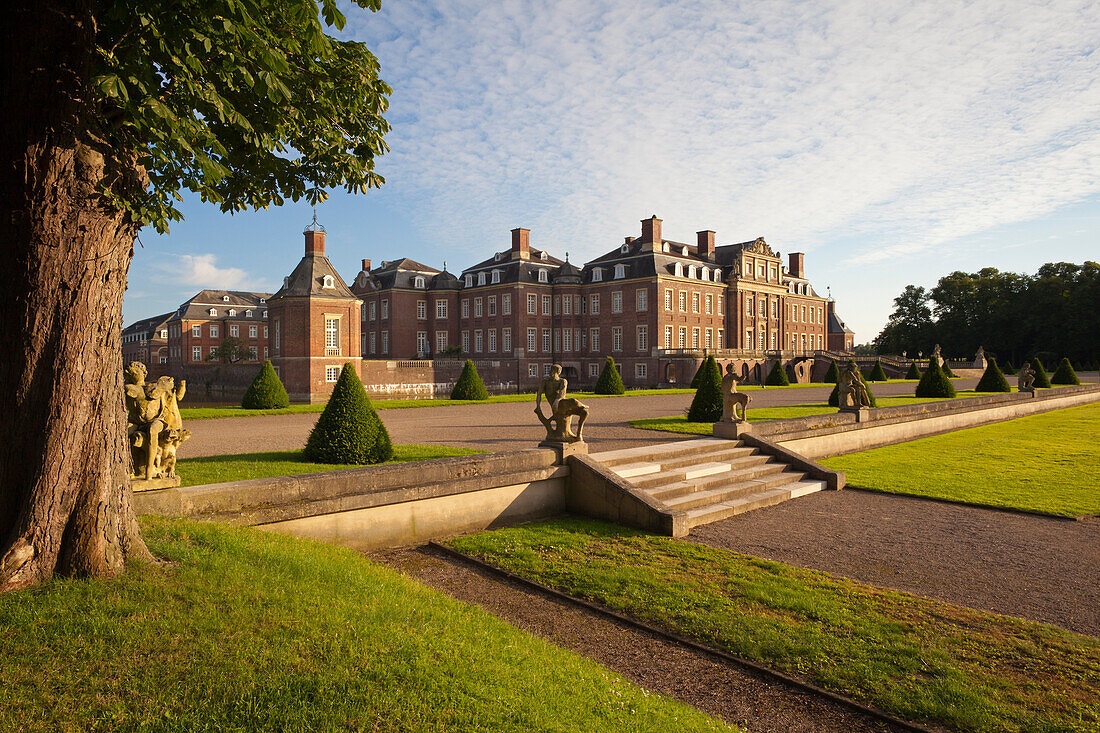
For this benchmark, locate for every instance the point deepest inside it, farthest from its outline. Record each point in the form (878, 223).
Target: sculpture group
(154, 428)
(851, 392)
(562, 409)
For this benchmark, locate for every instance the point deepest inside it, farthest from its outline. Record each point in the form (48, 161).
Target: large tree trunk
(65, 499)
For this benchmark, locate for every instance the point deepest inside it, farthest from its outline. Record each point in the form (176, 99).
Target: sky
(892, 142)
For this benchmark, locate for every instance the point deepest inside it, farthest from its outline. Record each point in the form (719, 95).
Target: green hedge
(610, 382)
(266, 391)
(1041, 378)
(993, 380)
(777, 377)
(349, 430)
(935, 383)
(914, 371)
(469, 385)
(833, 374)
(1064, 374)
(706, 406)
(878, 374)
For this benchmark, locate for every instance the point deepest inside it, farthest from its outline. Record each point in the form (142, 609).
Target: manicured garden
(918, 658)
(1044, 463)
(242, 466)
(251, 631)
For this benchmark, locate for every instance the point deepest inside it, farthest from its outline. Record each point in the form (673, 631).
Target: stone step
(728, 452)
(659, 452)
(660, 485)
(729, 492)
(632, 470)
(769, 497)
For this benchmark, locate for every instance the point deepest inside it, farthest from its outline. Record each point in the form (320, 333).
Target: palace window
(641, 300)
(617, 302)
(594, 339)
(506, 304)
(440, 309)
(616, 338)
(640, 370)
(421, 309)
(641, 338)
(597, 275)
(532, 304)
(532, 340)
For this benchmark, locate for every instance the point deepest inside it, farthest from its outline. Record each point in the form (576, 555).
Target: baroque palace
(656, 306)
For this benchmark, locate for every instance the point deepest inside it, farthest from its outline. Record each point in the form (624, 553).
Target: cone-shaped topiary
(1064, 374)
(878, 374)
(266, 391)
(1008, 368)
(1041, 378)
(698, 372)
(777, 377)
(947, 370)
(833, 374)
(914, 371)
(993, 380)
(609, 382)
(935, 383)
(469, 385)
(349, 430)
(706, 406)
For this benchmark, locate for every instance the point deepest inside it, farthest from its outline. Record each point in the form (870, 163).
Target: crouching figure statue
(562, 409)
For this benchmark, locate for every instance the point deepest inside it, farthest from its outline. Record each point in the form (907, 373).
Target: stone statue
(154, 427)
(979, 359)
(1026, 379)
(937, 356)
(851, 391)
(731, 398)
(562, 409)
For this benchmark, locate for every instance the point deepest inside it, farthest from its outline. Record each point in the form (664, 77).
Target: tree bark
(65, 499)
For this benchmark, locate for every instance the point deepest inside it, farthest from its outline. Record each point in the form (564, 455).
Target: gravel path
(492, 427)
(756, 703)
(1021, 565)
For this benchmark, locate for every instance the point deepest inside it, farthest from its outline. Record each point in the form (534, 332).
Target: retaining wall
(822, 436)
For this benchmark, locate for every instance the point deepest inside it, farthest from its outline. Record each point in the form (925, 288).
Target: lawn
(680, 424)
(242, 466)
(250, 631)
(1045, 463)
(917, 658)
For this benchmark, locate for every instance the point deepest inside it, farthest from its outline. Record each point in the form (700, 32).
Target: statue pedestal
(140, 484)
(564, 449)
(730, 430)
(1028, 392)
(861, 413)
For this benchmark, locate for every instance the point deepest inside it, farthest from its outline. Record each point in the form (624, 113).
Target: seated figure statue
(851, 391)
(562, 409)
(154, 426)
(1026, 380)
(731, 398)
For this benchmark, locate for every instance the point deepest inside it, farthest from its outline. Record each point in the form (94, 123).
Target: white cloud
(202, 271)
(908, 125)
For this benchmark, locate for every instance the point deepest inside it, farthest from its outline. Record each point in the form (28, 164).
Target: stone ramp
(709, 479)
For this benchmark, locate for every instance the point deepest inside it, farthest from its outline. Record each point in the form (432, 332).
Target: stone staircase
(710, 478)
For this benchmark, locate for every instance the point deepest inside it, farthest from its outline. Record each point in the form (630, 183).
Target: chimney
(628, 240)
(521, 244)
(651, 232)
(315, 241)
(797, 268)
(366, 265)
(706, 244)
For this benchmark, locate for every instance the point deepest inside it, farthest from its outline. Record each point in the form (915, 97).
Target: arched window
(213, 311)
(597, 275)
(691, 271)
(225, 298)
(418, 282)
(625, 248)
(678, 270)
(496, 277)
(232, 312)
(248, 314)
(620, 272)
(329, 282)
(543, 277)
(469, 281)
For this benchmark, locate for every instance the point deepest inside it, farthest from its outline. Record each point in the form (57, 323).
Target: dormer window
(664, 248)
(691, 271)
(481, 278)
(232, 312)
(263, 300)
(542, 255)
(213, 311)
(469, 281)
(620, 272)
(498, 257)
(496, 277)
(328, 282)
(543, 275)
(625, 248)
(684, 251)
(263, 314)
(717, 276)
(678, 270)
(704, 274)
(418, 282)
(225, 298)
(597, 275)
(248, 314)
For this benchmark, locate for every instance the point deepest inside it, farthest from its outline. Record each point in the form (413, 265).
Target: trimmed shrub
(1041, 378)
(349, 430)
(1064, 374)
(914, 371)
(777, 377)
(609, 382)
(993, 380)
(698, 373)
(878, 374)
(947, 370)
(266, 391)
(469, 385)
(1008, 368)
(935, 383)
(833, 374)
(706, 406)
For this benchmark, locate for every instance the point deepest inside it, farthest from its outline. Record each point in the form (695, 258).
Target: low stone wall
(598, 492)
(822, 436)
(382, 506)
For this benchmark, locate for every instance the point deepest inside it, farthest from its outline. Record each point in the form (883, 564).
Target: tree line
(1051, 314)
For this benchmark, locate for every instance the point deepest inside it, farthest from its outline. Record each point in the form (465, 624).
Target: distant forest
(1051, 314)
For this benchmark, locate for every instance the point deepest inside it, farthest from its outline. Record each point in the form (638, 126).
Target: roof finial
(444, 265)
(567, 257)
(314, 226)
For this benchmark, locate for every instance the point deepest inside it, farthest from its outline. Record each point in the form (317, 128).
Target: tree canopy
(245, 102)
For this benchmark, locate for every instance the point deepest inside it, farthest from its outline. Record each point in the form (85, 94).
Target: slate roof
(148, 325)
(199, 305)
(836, 325)
(512, 271)
(308, 278)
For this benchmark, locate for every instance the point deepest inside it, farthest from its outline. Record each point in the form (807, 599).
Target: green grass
(250, 631)
(915, 657)
(1044, 463)
(242, 466)
(679, 423)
